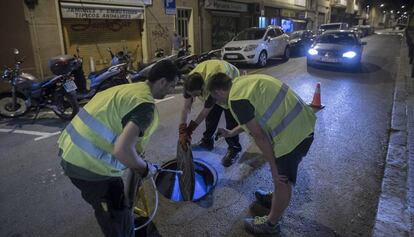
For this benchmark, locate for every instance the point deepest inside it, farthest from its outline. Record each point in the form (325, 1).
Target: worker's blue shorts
(287, 165)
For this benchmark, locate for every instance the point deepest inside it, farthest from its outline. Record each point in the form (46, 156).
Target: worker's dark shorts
(288, 164)
(108, 200)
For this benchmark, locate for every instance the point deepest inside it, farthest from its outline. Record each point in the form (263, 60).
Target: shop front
(94, 27)
(227, 19)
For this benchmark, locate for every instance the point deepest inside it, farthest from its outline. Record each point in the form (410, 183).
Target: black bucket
(168, 185)
(146, 231)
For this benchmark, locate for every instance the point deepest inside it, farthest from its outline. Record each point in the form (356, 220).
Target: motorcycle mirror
(16, 52)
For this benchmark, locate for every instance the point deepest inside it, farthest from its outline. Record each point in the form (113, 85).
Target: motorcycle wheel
(111, 82)
(6, 106)
(66, 105)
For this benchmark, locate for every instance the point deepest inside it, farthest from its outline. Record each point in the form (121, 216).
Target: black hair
(219, 81)
(163, 69)
(194, 82)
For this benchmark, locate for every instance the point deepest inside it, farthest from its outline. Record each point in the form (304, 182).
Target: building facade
(53, 27)
(49, 28)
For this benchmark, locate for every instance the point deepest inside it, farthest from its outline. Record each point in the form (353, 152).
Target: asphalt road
(338, 183)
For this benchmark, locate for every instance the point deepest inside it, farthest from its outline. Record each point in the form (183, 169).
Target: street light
(402, 6)
(392, 11)
(398, 12)
(382, 5)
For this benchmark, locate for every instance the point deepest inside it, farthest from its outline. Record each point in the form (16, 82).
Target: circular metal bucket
(168, 185)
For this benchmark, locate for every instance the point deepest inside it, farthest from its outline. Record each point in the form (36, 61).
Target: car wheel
(262, 61)
(286, 55)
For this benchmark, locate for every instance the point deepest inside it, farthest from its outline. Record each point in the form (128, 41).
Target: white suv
(256, 45)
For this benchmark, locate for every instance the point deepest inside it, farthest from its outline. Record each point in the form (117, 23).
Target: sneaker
(230, 157)
(205, 144)
(264, 198)
(259, 226)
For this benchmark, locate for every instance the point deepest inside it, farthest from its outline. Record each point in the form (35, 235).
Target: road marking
(40, 135)
(165, 99)
(253, 72)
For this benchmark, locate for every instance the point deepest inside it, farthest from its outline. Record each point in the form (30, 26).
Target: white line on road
(40, 135)
(165, 99)
(44, 135)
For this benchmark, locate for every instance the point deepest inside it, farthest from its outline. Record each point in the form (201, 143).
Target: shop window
(262, 22)
(183, 17)
(274, 21)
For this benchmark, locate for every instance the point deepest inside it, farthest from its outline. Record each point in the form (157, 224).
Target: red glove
(191, 127)
(183, 137)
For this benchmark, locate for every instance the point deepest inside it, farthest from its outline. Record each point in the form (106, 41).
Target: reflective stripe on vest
(275, 104)
(277, 101)
(97, 126)
(287, 120)
(91, 149)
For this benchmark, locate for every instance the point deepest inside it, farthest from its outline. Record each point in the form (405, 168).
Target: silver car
(336, 48)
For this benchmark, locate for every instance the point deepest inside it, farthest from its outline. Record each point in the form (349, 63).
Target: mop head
(187, 179)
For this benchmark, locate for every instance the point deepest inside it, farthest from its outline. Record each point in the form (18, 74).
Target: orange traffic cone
(316, 102)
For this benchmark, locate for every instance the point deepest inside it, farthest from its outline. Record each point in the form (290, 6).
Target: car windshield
(337, 38)
(250, 34)
(330, 27)
(296, 34)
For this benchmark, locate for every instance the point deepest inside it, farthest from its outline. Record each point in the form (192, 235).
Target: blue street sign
(170, 7)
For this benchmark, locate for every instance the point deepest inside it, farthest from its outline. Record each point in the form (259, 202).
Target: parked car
(301, 40)
(337, 48)
(332, 26)
(358, 31)
(366, 30)
(256, 45)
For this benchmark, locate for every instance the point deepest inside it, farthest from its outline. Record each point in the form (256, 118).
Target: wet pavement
(338, 185)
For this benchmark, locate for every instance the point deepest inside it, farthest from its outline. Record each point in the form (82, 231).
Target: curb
(395, 207)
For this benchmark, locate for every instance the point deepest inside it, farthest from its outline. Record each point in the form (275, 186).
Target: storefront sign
(225, 6)
(92, 11)
(170, 8)
(118, 2)
(300, 3)
(288, 13)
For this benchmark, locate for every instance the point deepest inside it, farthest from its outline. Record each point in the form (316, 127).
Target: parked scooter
(101, 80)
(57, 93)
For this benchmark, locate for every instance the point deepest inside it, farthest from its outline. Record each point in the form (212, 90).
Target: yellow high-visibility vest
(210, 67)
(285, 118)
(88, 140)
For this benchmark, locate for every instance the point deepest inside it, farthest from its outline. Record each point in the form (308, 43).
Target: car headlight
(349, 54)
(250, 47)
(312, 51)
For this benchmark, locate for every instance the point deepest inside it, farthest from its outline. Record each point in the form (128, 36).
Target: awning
(100, 11)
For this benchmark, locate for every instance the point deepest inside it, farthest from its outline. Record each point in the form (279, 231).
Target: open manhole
(168, 183)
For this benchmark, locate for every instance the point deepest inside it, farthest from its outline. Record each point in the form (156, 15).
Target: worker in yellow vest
(282, 126)
(109, 135)
(196, 86)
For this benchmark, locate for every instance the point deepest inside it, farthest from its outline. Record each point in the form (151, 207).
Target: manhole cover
(168, 183)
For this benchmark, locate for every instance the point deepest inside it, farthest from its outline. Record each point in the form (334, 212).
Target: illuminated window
(262, 22)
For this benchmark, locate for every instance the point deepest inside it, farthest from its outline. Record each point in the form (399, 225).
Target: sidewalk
(396, 204)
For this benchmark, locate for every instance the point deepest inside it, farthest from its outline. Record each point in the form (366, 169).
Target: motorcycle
(103, 79)
(57, 93)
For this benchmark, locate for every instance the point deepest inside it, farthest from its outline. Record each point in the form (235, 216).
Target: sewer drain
(168, 185)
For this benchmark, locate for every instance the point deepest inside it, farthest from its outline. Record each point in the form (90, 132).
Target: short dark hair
(163, 69)
(219, 81)
(194, 82)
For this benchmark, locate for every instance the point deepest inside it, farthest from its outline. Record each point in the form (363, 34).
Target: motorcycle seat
(98, 73)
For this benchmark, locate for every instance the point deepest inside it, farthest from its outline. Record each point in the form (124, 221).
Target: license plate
(329, 60)
(231, 56)
(69, 86)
